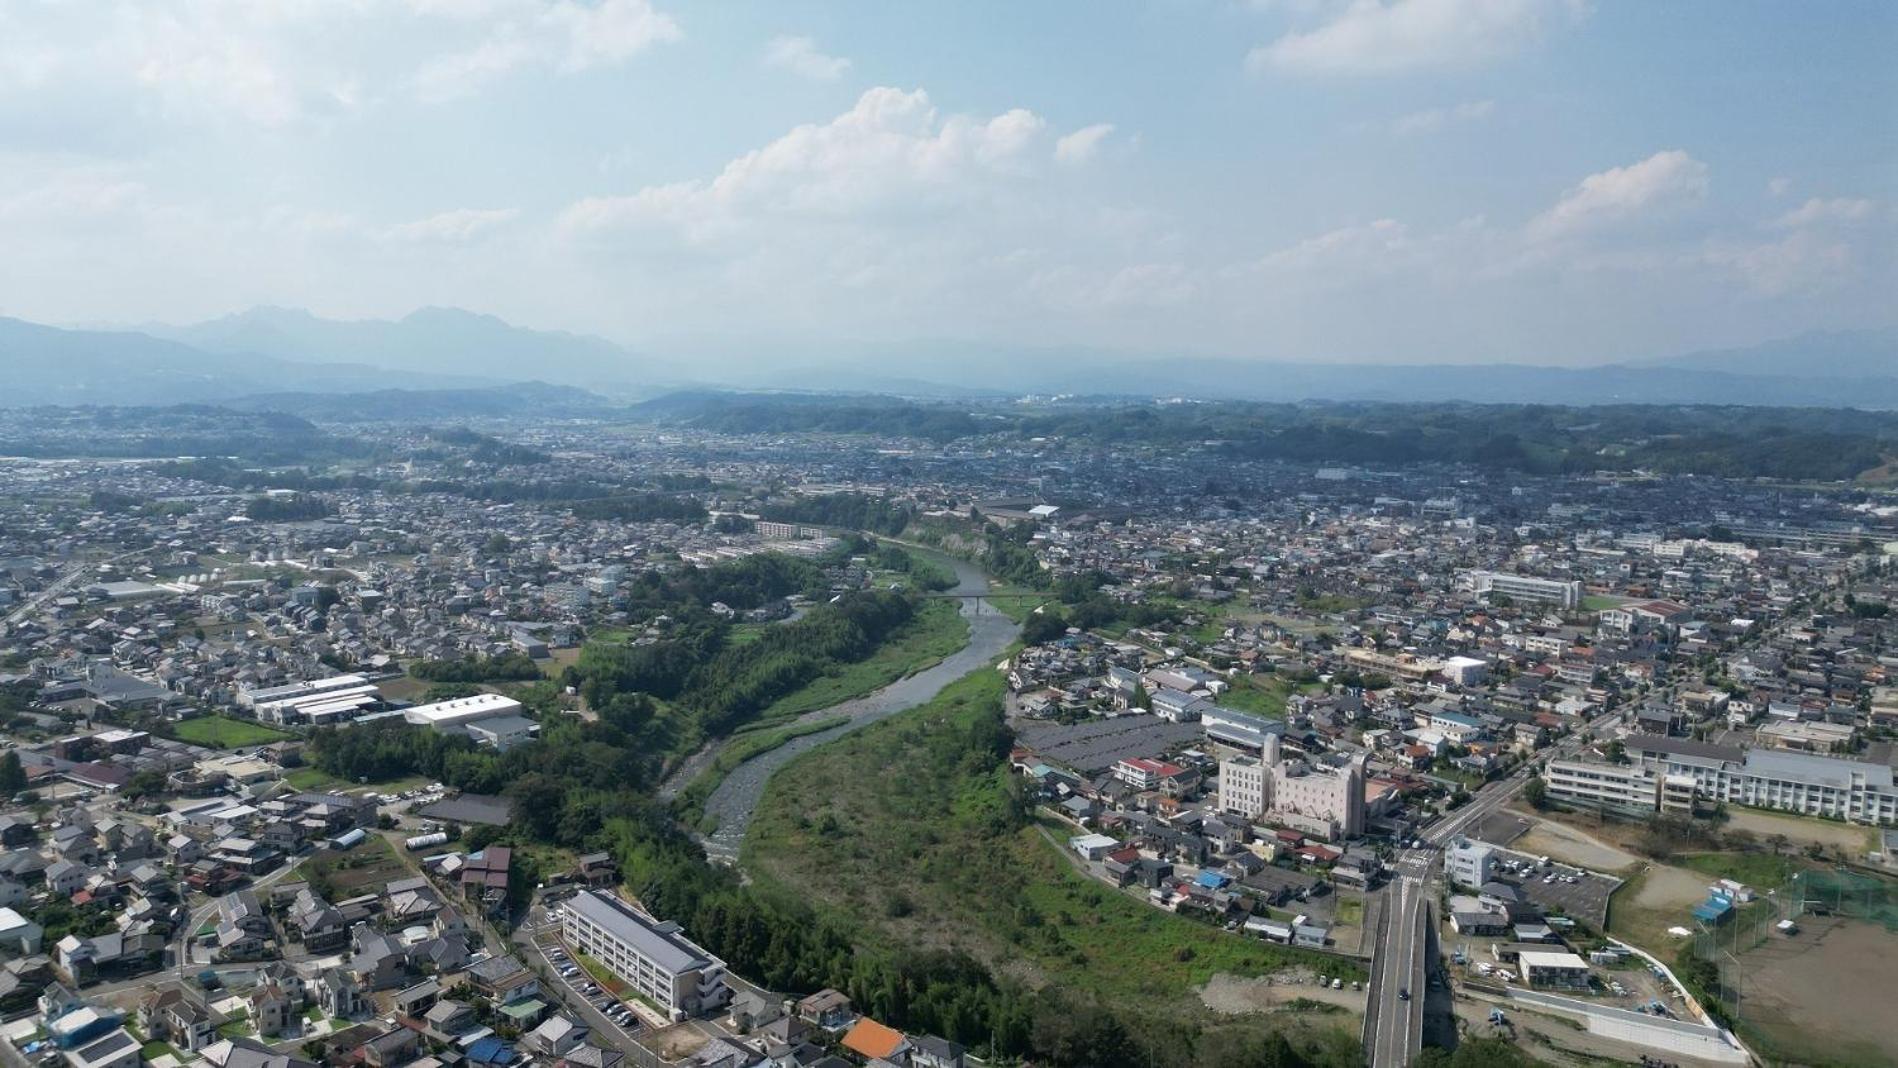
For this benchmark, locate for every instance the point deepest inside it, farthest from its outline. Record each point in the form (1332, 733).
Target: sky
(1535, 181)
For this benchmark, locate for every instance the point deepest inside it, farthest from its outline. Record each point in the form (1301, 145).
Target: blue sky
(1401, 180)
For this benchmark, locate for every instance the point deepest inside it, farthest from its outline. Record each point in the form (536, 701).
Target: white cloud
(1377, 37)
(1800, 262)
(1430, 120)
(1619, 193)
(286, 61)
(800, 56)
(73, 197)
(565, 35)
(1821, 211)
(1081, 145)
(609, 31)
(1778, 187)
(890, 154)
(459, 225)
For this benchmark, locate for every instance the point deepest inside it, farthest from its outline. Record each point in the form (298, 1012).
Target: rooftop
(658, 942)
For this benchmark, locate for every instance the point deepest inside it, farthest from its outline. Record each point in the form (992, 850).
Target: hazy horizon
(1543, 182)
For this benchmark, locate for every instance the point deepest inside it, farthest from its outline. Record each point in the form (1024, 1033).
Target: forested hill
(1733, 441)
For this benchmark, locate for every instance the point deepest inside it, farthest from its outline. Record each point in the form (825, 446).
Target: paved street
(1393, 1026)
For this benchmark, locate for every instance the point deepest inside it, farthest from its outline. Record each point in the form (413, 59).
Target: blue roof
(1212, 880)
(490, 1051)
(1716, 906)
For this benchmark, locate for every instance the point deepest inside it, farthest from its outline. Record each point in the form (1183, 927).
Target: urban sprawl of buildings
(1330, 658)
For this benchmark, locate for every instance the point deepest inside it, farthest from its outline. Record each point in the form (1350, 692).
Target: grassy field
(307, 778)
(933, 850)
(223, 732)
(346, 873)
(1641, 910)
(1762, 871)
(1801, 831)
(1264, 695)
(937, 631)
(1017, 608)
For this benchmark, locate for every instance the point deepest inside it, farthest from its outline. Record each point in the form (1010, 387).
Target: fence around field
(1850, 894)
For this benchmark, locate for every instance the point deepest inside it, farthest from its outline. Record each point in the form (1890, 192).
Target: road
(736, 798)
(1393, 1026)
(181, 949)
(73, 573)
(534, 937)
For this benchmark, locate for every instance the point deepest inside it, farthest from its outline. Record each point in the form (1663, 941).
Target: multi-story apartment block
(653, 957)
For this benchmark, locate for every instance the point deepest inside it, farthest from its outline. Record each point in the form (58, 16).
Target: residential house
(338, 994)
(828, 1009)
(273, 1010)
(178, 1015)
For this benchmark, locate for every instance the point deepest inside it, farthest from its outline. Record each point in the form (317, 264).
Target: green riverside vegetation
(938, 849)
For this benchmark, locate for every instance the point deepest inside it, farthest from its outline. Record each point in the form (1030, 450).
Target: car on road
(1403, 993)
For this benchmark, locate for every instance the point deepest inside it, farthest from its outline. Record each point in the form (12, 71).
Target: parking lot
(614, 1020)
(1560, 888)
(1499, 828)
(1096, 745)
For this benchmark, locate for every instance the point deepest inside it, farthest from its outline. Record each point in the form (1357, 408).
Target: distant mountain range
(299, 362)
(428, 341)
(48, 365)
(1856, 369)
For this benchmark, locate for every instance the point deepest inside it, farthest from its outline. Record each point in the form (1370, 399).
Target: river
(990, 633)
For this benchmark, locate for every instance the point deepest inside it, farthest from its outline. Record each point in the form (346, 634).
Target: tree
(144, 784)
(12, 775)
(1043, 627)
(1536, 792)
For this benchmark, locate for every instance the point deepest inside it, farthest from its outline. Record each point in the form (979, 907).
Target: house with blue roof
(491, 1050)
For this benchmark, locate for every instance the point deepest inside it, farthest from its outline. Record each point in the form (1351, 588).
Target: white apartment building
(1469, 864)
(1565, 593)
(1242, 787)
(651, 956)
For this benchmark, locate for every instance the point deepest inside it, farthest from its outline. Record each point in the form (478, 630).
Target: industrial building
(1243, 729)
(337, 699)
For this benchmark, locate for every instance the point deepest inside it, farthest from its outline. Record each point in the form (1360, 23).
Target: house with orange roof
(871, 1040)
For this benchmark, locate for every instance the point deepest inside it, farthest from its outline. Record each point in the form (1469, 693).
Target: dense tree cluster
(1007, 555)
(291, 509)
(923, 572)
(744, 583)
(1721, 440)
(506, 667)
(723, 685)
(850, 511)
